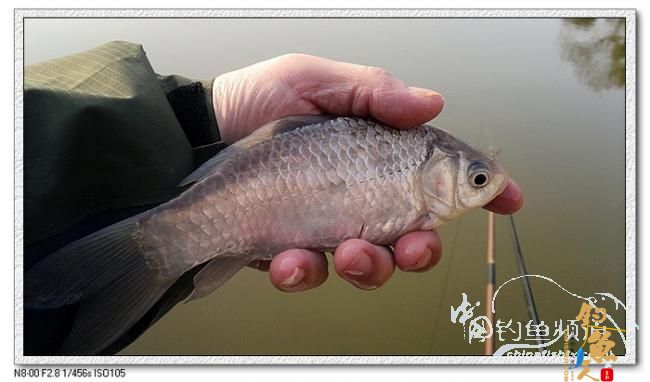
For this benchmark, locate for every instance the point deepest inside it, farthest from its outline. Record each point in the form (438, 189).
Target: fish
(309, 181)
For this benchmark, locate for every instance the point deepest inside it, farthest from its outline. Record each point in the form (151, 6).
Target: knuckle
(376, 71)
(291, 58)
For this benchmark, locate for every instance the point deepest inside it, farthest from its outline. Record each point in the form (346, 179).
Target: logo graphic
(593, 329)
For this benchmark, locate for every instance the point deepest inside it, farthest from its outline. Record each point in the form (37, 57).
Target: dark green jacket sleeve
(103, 131)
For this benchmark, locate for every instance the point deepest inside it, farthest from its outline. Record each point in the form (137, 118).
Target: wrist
(208, 87)
(219, 102)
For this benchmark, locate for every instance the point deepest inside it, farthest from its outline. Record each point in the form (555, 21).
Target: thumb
(366, 91)
(404, 107)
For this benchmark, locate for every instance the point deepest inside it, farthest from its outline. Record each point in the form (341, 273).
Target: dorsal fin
(262, 134)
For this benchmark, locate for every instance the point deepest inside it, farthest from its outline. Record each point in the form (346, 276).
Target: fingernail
(421, 92)
(295, 278)
(423, 260)
(360, 267)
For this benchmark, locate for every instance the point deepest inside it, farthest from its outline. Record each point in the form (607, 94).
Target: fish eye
(479, 180)
(478, 175)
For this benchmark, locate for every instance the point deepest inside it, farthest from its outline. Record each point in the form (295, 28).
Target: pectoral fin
(214, 274)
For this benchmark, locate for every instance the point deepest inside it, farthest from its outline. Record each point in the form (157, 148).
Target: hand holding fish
(282, 194)
(301, 84)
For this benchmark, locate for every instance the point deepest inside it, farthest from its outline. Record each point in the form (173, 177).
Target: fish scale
(300, 182)
(366, 175)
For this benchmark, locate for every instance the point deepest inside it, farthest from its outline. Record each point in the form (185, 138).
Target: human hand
(300, 84)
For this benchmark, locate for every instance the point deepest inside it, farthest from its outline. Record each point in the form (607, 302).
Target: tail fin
(107, 274)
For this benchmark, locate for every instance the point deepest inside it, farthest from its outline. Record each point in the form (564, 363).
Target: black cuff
(207, 91)
(192, 105)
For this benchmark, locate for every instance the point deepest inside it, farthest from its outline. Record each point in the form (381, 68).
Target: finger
(297, 270)
(348, 89)
(404, 107)
(418, 251)
(365, 265)
(508, 202)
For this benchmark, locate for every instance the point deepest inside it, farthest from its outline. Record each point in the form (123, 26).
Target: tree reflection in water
(596, 48)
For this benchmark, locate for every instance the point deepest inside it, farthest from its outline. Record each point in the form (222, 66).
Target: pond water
(548, 92)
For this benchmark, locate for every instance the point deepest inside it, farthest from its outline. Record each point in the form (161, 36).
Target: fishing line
(445, 284)
(528, 292)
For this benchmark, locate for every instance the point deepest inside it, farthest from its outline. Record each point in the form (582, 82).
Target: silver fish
(300, 182)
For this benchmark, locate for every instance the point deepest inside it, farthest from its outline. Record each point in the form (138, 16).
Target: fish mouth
(502, 186)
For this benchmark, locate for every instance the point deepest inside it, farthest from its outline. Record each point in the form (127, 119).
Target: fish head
(481, 178)
(457, 178)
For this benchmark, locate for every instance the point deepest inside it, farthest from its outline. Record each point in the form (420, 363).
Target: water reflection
(596, 47)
